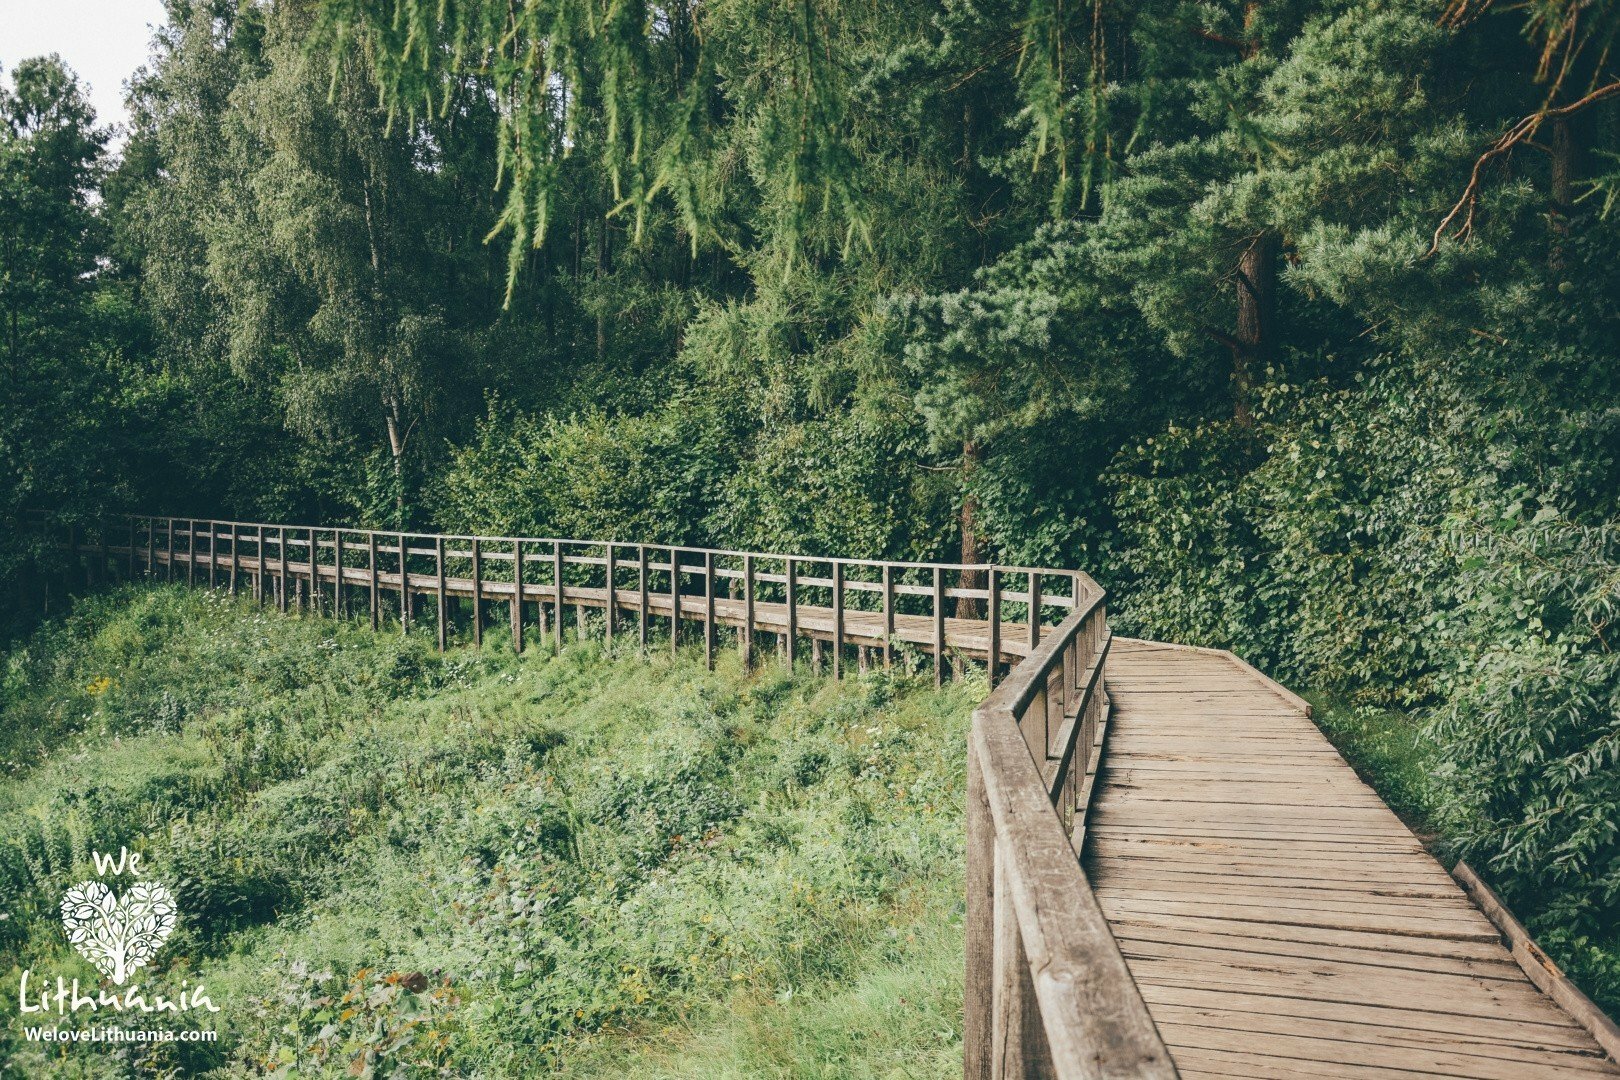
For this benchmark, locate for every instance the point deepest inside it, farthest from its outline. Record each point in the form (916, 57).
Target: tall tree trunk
(1565, 150)
(397, 435)
(604, 261)
(972, 547)
(1256, 320)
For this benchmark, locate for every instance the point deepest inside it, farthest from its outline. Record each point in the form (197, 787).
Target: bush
(1529, 734)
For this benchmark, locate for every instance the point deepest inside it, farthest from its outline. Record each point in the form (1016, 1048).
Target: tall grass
(391, 862)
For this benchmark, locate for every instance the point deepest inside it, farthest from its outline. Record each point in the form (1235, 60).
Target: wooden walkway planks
(1278, 919)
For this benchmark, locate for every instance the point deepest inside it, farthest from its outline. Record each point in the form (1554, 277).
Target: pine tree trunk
(1256, 321)
(1565, 162)
(972, 547)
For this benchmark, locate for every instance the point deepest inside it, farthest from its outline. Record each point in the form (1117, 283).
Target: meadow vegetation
(392, 862)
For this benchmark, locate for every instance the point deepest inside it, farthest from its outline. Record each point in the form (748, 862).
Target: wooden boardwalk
(1242, 905)
(1277, 918)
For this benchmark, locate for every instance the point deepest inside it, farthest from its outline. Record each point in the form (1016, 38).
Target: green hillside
(385, 859)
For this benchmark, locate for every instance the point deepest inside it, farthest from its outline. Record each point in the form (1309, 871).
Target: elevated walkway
(1279, 920)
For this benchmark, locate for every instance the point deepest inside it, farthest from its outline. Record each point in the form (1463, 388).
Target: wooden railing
(1048, 993)
(870, 607)
(1047, 990)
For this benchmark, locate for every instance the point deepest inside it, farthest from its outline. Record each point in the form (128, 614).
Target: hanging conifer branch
(609, 80)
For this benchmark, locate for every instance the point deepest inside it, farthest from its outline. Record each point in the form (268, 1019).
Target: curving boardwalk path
(1248, 907)
(1278, 918)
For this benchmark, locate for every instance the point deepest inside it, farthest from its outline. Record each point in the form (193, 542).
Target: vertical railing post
(888, 616)
(261, 572)
(213, 554)
(939, 626)
(517, 596)
(440, 591)
(641, 595)
(674, 601)
(1034, 610)
(168, 551)
(281, 563)
(404, 586)
(338, 606)
(314, 574)
(611, 598)
(992, 583)
(557, 583)
(1018, 1041)
(979, 924)
(151, 547)
(747, 642)
(236, 554)
(792, 611)
(375, 584)
(838, 618)
(708, 610)
(477, 595)
(129, 552)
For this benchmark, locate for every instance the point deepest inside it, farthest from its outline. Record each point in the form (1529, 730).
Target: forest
(1296, 323)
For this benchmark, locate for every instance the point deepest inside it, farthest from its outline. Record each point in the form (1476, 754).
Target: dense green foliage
(1296, 322)
(480, 864)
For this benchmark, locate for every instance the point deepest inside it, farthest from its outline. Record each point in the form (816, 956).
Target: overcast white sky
(104, 41)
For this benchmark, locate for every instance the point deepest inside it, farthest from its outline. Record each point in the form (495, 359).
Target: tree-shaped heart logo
(118, 934)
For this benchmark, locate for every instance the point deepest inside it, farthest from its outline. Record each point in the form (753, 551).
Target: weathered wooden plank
(1326, 1057)
(1389, 1035)
(1538, 966)
(1466, 1029)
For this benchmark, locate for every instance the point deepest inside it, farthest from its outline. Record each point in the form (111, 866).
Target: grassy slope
(607, 866)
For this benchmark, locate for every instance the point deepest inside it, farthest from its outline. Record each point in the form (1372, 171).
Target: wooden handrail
(1047, 990)
(314, 567)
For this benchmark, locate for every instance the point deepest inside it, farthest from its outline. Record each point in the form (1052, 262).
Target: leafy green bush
(1529, 734)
